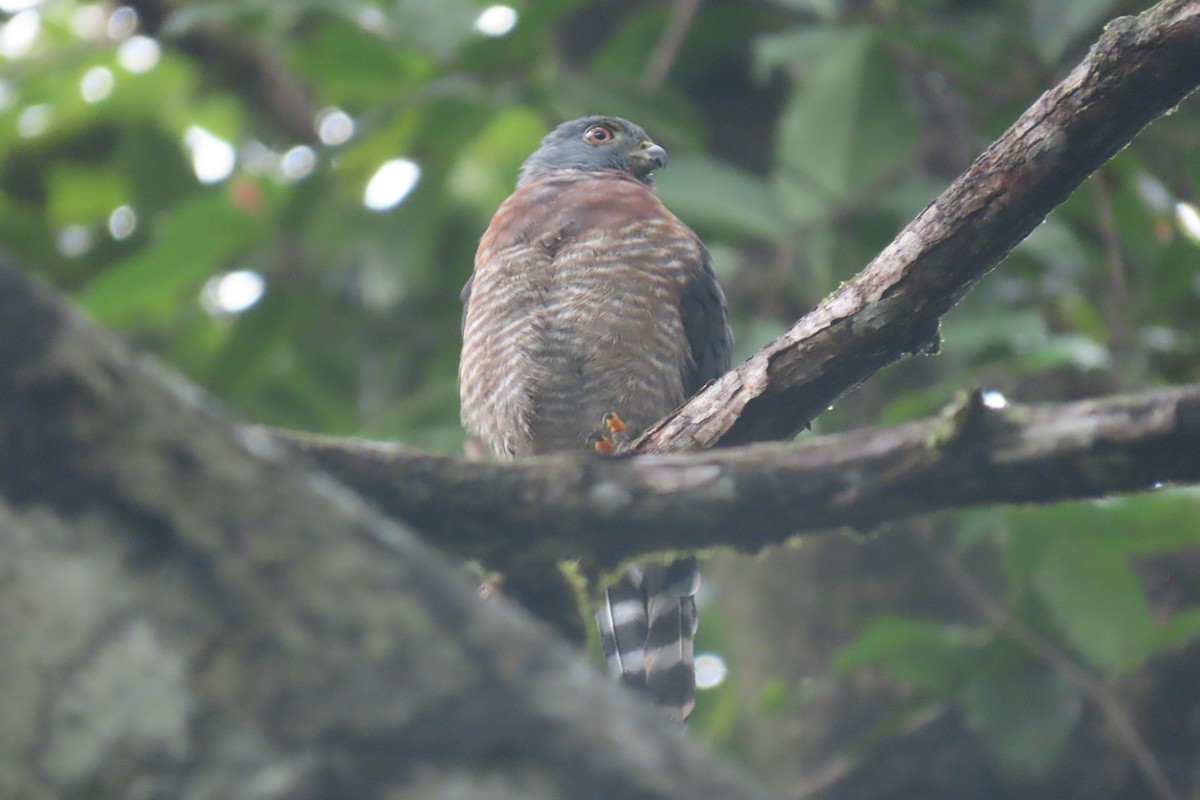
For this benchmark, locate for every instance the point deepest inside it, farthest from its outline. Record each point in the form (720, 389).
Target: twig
(241, 64)
(1118, 300)
(1096, 691)
(667, 49)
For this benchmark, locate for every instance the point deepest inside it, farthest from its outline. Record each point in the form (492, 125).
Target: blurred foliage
(804, 134)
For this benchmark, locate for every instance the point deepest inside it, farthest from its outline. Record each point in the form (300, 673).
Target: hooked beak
(647, 159)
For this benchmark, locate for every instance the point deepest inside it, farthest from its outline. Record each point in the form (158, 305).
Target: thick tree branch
(187, 612)
(1140, 69)
(606, 510)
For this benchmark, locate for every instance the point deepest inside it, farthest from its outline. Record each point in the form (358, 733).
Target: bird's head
(596, 143)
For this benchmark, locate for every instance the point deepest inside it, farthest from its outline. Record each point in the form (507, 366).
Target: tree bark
(186, 611)
(606, 510)
(1140, 69)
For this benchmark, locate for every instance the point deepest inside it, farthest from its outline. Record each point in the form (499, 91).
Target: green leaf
(1058, 245)
(802, 201)
(1095, 595)
(1068, 350)
(844, 126)
(437, 26)
(357, 67)
(926, 654)
(192, 243)
(625, 53)
(776, 699)
(969, 332)
(710, 193)
(1180, 631)
(824, 9)
(802, 48)
(1134, 525)
(486, 168)
(1024, 710)
(1077, 557)
(80, 193)
(818, 248)
(977, 526)
(214, 12)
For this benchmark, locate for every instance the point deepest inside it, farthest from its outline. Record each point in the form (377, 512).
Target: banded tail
(647, 625)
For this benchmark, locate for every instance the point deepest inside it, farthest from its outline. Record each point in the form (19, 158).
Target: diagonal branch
(607, 510)
(1139, 70)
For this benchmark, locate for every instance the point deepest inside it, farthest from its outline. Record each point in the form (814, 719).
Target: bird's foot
(610, 436)
(491, 586)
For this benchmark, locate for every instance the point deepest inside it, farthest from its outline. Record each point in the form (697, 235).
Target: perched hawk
(590, 298)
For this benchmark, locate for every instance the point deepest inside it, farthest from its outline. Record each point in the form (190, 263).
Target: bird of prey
(591, 302)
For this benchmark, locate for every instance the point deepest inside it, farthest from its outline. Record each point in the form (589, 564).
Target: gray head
(596, 143)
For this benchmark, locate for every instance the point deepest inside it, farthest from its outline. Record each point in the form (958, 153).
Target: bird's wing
(706, 324)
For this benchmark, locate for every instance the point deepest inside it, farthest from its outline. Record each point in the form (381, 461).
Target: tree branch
(187, 612)
(606, 510)
(242, 65)
(667, 49)
(1118, 719)
(1139, 69)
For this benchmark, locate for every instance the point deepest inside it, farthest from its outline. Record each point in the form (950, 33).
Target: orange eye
(598, 134)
